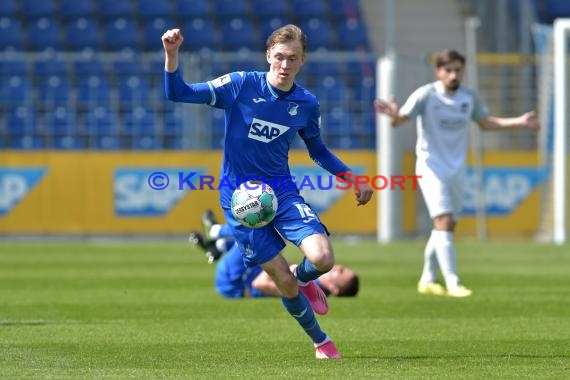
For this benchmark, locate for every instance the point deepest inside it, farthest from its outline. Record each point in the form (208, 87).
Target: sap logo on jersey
(265, 131)
(15, 184)
(134, 197)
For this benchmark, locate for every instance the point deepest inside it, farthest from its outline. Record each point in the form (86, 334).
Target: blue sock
(306, 271)
(300, 309)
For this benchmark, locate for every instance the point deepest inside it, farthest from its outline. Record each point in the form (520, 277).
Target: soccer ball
(254, 204)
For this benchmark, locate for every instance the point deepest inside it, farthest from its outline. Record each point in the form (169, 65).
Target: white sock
(445, 253)
(429, 273)
(222, 245)
(215, 231)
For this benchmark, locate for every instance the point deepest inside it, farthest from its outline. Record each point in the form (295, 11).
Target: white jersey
(442, 122)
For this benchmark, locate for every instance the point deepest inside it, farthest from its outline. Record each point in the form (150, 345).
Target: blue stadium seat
(365, 90)
(557, 8)
(151, 9)
(44, 33)
(320, 34)
(32, 9)
(174, 123)
(55, 90)
(68, 142)
(9, 68)
(21, 120)
(93, 90)
(352, 35)
(344, 9)
(101, 126)
(82, 33)
(363, 67)
(336, 123)
(132, 65)
(320, 68)
(228, 9)
(200, 34)
(112, 9)
(239, 34)
(89, 67)
(100, 120)
(139, 121)
(26, 142)
(336, 120)
(304, 9)
(267, 26)
(47, 68)
(76, 9)
(15, 90)
(264, 9)
(192, 9)
(122, 34)
(9, 8)
(255, 63)
(21, 129)
(153, 31)
(139, 126)
(134, 90)
(60, 121)
(11, 33)
(331, 91)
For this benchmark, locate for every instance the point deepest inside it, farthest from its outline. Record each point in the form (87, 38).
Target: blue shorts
(295, 220)
(233, 278)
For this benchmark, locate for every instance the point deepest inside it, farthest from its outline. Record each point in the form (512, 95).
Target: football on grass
(254, 204)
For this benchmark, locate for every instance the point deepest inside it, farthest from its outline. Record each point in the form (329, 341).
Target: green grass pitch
(149, 310)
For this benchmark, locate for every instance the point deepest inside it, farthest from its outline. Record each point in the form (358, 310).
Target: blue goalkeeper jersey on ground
(261, 122)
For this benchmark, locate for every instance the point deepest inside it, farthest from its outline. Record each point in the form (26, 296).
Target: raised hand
(171, 40)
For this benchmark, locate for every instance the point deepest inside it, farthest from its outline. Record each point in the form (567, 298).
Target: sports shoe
(316, 297)
(459, 291)
(327, 350)
(208, 220)
(212, 253)
(432, 288)
(197, 240)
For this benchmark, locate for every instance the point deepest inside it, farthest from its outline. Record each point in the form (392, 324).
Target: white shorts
(442, 194)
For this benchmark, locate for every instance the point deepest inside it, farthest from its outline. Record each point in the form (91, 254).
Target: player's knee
(324, 261)
(444, 222)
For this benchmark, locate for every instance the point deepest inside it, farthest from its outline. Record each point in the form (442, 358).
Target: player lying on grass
(234, 280)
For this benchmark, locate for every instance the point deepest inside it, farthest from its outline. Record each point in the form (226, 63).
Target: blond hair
(286, 34)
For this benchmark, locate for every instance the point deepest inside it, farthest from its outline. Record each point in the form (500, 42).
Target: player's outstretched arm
(171, 41)
(390, 109)
(527, 120)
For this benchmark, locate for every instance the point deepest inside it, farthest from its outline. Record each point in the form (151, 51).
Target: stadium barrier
(90, 193)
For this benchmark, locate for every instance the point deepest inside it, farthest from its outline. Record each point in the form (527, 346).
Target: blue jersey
(261, 123)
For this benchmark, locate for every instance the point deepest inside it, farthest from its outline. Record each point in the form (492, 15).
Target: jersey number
(305, 211)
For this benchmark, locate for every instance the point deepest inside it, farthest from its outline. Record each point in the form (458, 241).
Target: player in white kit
(444, 109)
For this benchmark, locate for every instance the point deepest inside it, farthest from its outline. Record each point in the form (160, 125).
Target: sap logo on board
(265, 131)
(15, 184)
(134, 196)
(504, 189)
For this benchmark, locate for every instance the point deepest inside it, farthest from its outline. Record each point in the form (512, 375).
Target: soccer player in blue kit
(263, 113)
